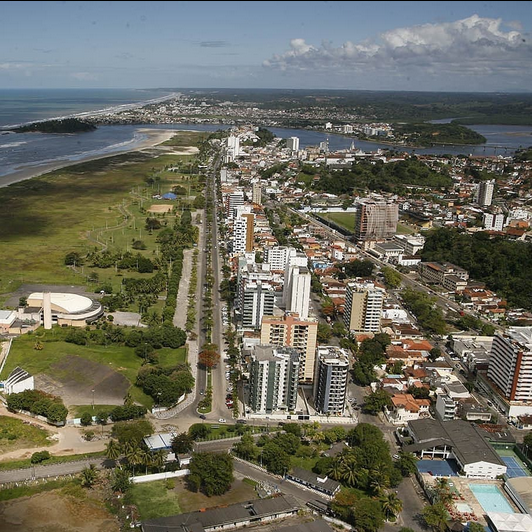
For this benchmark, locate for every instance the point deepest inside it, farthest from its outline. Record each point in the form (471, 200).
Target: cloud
(84, 76)
(473, 45)
(214, 44)
(14, 65)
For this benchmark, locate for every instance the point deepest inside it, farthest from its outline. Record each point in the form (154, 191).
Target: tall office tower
(485, 193)
(258, 300)
(256, 193)
(298, 291)
(363, 307)
(243, 233)
(375, 220)
(234, 200)
(273, 379)
(510, 364)
(292, 331)
(292, 143)
(332, 367)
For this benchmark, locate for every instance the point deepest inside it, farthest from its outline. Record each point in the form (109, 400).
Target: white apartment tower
(363, 307)
(273, 379)
(233, 149)
(277, 257)
(485, 193)
(243, 233)
(234, 200)
(493, 222)
(293, 144)
(332, 367)
(297, 280)
(256, 193)
(510, 365)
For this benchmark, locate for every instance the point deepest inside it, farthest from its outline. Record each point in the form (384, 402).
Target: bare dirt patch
(161, 208)
(74, 379)
(51, 512)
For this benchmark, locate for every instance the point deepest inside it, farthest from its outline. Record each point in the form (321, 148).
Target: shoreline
(154, 138)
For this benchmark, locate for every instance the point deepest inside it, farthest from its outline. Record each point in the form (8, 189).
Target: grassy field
(153, 499)
(344, 219)
(15, 434)
(405, 230)
(87, 205)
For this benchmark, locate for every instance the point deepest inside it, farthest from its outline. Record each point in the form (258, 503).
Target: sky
(413, 46)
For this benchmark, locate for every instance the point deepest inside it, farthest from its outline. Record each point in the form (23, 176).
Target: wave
(13, 144)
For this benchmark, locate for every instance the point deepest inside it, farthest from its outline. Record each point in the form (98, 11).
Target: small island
(65, 125)
(426, 135)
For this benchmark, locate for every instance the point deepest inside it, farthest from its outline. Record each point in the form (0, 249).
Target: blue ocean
(25, 151)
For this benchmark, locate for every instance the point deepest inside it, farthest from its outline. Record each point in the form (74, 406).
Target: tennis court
(515, 469)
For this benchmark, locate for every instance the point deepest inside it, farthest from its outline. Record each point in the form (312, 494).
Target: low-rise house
(324, 485)
(406, 408)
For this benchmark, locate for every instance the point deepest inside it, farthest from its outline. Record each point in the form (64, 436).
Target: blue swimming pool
(491, 498)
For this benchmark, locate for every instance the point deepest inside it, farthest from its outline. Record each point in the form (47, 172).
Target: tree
(113, 450)
(392, 278)
(474, 527)
(392, 506)
(182, 443)
(120, 480)
(211, 473)
(434, 354)
(324, 333)
(436, 516)
(198, 431)
(376, 401)
(406, 464)
(367, 515)
(88, 476)
(208, 358)
(39, 456)
(86, 419)
(57, 413)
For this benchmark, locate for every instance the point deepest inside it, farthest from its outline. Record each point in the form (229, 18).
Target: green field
(16, 434)
(344, 219)
(81, 208)
(154, 500)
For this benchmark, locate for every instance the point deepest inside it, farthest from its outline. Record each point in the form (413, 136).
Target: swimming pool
(491, 498)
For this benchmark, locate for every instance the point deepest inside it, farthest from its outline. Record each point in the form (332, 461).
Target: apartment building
(363, 307)
(375, 221)
(332, 367)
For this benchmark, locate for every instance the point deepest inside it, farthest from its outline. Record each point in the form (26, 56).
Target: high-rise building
(296, 289)
(376, 220)
(256, 193)
(234, 200)
(485, 193)
(363, 307)
(233, 149)
(493, 222)
(277, 256)
(332, 368)
(510, 364)
(243, 233)
(258, 300)
(292, 143)
(292, 331)
(273, 379)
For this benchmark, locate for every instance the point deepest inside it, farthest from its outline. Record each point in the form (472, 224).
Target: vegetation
(65, 125)
(17, 434)
(426, 134)
(210, 473)
(153, 500)
(38, 403)
(505, 266)
(372, 352)
(424, 308)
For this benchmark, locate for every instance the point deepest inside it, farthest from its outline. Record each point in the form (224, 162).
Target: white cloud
(84, 76)
(469, 46)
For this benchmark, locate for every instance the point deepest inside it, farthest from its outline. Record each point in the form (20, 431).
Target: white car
(222, 420)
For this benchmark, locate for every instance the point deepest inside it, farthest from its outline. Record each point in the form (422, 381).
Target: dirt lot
(161, 208)
(51, 512)
(75, 378)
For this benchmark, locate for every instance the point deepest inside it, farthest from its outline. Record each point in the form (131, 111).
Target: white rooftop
(70, 303)
(504, 522)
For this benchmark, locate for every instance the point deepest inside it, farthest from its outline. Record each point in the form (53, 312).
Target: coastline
(154, 137)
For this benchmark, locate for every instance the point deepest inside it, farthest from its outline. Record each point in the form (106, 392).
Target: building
(510, 366)
(493, 222)
(298, 291)
(258, 299)
(435, 273)
(239, 515)
(18, 381)
(64, 309)
(332, 368)
(292, 143)
(375, 221)
(243, 233)
(406, 408)
(485, 193)
(292, 331)
(363, 307)
(256, 193)
(277, 257)
(509, 522)
(7, 318)
(234, 200)
(274, 374)
(310, 480)
(458, 440)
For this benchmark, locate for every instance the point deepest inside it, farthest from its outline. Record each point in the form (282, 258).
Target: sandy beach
(154, 137)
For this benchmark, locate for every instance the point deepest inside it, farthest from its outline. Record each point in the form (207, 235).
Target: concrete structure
(504, 522)
(363, 307)
(258, 298)
(520, 491)
(292, 143)
(243, 232)
(297, 291)
(459, 440)
(274, 374)
(18, 381)
(493, 222)
(277, 256)
(256, 193)
(485, 193)
(375, 221)
(234, 199)
(510, 365)
(7, 318)
(332, 368)
(65, 309)
(435, 273)
(292, 331)
(411, 244)
(406, 408)
(321, 484)
(240, 515)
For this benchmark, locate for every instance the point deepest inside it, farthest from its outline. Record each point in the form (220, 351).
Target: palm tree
(159, 459)
(391, 505)
(89, 476)
(146, 458)
(113, 450)
(336, 470)
(349, 473)
(436, 516)
(134, 456)
(379, 481)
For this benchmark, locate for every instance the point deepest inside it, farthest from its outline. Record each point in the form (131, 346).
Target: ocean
(22, 151)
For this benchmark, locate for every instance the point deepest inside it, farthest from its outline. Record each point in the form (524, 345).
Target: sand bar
(154, 137)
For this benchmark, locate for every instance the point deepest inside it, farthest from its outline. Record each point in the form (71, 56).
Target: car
(396, 457)
(241, 421)
(202, 391)
(222, 420)
(203, 416)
